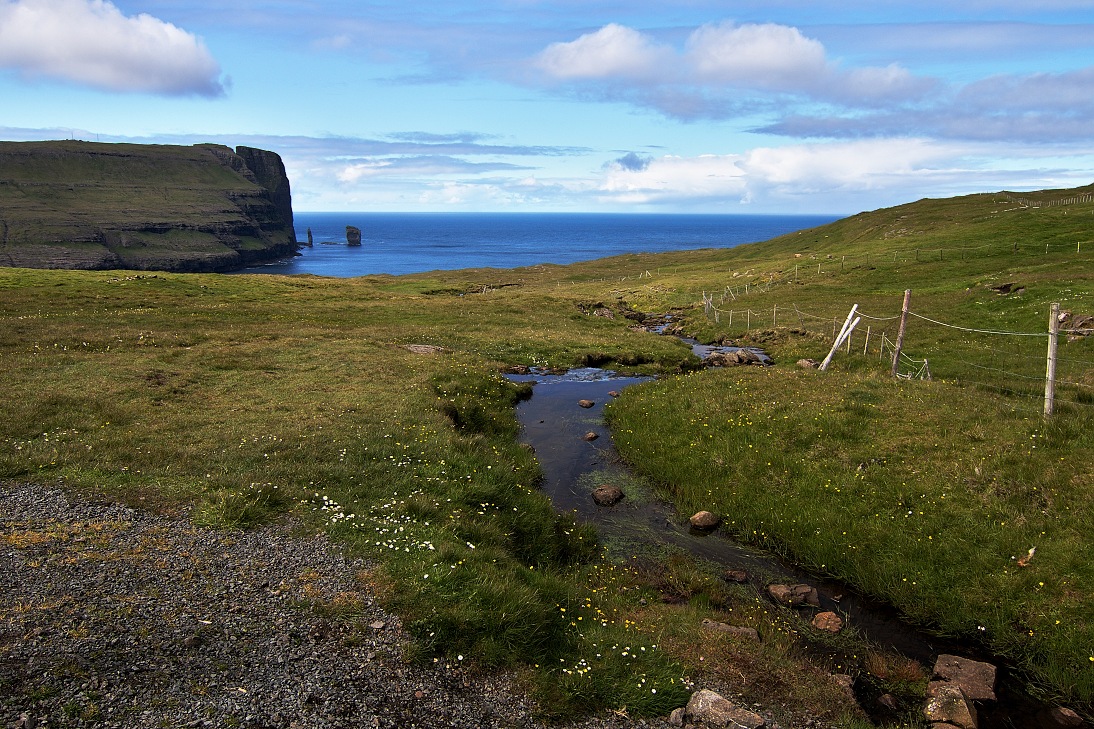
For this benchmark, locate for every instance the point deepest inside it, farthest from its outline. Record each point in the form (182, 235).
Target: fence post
(844, 333)
(1050, 373)
(900, 331)
(774, 311)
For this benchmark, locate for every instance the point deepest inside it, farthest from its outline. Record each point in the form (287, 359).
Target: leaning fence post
(1050, 374)
(844, 332)
(900, 331)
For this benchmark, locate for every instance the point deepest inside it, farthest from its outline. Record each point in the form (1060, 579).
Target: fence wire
(1009, 364)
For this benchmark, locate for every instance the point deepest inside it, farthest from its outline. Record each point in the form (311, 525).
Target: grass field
(246, 397)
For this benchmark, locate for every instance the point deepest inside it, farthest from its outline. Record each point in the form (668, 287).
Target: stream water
(557, 427)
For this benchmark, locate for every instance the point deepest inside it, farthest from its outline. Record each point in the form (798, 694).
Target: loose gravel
(116, 617)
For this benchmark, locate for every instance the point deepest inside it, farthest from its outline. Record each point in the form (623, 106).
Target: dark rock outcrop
(85, 205)
(353, 235)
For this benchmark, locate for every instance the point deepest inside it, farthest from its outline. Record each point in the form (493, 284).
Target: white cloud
(670, 178)
(90, 42)
(766, 174)
(721, 70)
(859, 165)
(756, 56)
(612, 51)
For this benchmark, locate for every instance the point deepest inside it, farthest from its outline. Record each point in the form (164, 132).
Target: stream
(559, 429)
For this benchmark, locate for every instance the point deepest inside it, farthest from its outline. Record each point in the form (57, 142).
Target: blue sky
(766, 106)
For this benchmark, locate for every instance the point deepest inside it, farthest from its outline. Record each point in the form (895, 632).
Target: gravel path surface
(116, 617)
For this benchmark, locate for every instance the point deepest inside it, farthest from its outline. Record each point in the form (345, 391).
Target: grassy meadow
(374, 408)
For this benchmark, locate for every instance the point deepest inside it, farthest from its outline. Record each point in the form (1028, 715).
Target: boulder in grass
(708, 709)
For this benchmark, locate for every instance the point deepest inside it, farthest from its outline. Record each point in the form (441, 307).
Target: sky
(694, 106)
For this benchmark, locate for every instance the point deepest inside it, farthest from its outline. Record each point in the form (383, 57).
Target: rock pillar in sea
(353, 235)
(310, 240)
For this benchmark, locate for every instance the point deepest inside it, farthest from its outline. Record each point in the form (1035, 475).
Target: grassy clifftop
(84, 205)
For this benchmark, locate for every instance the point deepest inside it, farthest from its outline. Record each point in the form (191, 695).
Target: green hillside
(242, 398)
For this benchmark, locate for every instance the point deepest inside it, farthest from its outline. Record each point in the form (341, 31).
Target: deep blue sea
(399, 243)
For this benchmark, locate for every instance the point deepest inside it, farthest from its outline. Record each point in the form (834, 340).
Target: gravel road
(115, 617)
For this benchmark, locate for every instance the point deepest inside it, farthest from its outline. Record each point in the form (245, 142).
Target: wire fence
(1020, 366)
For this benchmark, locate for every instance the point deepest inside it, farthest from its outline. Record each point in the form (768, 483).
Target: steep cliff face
(270, 173)
(146, 207)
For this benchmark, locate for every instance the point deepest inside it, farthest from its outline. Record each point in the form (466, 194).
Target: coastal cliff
(85, 205)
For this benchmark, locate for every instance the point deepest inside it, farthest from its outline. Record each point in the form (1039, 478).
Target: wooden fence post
(900, 331)
(1050, 373)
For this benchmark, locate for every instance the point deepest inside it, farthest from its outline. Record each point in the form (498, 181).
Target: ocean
(399, 243)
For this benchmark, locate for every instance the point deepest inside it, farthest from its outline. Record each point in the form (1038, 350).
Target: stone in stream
(948, 706)
(738, 576)
(976, 678)
(794, 595)
(705, 520)
(606, 495)
(828, 621)
(1060, 717)
(590, 436)
(586, 403)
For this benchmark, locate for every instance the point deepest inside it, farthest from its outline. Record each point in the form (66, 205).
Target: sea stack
(353, 235)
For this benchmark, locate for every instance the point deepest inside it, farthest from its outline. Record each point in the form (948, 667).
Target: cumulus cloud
(614, 51)
(756, 56)
(721, 70)
(92, 43)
